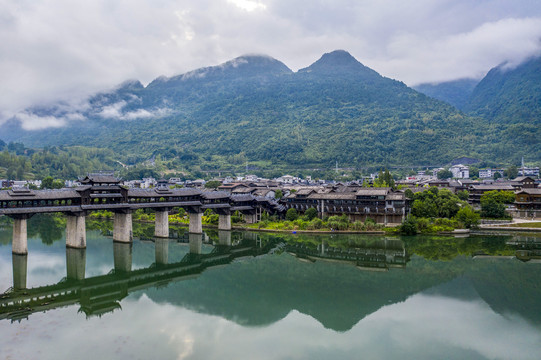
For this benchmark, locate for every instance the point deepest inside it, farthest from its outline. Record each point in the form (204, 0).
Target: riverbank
(367, 232)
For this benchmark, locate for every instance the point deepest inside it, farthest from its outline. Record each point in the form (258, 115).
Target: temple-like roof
(99, 179)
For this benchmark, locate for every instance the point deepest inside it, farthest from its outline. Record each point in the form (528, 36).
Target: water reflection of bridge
(376, 255)
(100, 294)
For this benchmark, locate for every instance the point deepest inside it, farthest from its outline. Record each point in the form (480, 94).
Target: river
(245, 295)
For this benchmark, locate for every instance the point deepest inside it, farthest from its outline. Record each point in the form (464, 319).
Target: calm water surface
(262, 296)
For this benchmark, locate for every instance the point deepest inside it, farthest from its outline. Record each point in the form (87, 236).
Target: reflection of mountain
(262, 292)
(510, 287)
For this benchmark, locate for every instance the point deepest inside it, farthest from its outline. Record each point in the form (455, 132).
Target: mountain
(456, 92)
(509, 99)
(509, 94)
(255, 108)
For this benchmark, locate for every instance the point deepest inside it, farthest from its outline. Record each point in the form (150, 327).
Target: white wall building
(460, 171)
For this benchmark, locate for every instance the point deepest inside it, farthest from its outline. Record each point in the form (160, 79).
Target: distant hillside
(334, 110)
(510, 101)
(509, 95)
(456, 92)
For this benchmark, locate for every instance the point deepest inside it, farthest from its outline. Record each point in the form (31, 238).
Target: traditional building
(383, 205)
(528, 203)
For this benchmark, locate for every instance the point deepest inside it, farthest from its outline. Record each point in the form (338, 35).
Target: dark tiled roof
(9, 195)
(215, 195)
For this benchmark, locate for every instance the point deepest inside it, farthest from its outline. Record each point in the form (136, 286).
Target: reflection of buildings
(527, 249)
(378, 255)
(102, 294)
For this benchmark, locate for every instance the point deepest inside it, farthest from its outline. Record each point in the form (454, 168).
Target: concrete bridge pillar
(75, 263)
(122, 253)
(224, 222)
(224, 237)
(19, 263)
(122, 227)
(196, 223)
(20, 242)
(161, 229)
(161, 247)
(196, 243)
(250, 218)
(76, 231)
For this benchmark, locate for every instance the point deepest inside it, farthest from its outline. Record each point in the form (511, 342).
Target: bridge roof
(158, 193)
(242, 197)
(60, 194)
(215, 195)
(99, 179)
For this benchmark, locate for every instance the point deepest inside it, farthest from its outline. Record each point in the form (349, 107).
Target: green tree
(57, 184)
(278, 194)
(445, 174)
(463, 195)
(213, 184)
(511, 172)
(497, 175)
(408, 193)
(311, 213)
(385, 179)
(47, 182)
(493, 203)
(292, 215)
(409, 226)
(468, 216)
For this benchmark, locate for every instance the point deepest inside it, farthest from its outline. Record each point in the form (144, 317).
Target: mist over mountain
(336, 109)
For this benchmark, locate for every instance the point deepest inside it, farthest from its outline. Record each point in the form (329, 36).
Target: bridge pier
(161, 247)
(122, 227)
(196, 243)
(20, 242)
(224, 237)
(224, 222)
(76, 231)
(20, 265)
(196, 223)
(122, 253)
(250, 218)
(161, 229)
(75, 263)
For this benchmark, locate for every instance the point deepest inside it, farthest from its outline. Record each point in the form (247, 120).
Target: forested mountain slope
(334, 110)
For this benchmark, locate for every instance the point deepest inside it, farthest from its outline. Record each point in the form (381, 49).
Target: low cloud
(36, 122)
(115, 111)
(463, 55)
(94, 45)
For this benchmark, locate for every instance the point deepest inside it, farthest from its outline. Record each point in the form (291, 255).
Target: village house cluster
(358, 199)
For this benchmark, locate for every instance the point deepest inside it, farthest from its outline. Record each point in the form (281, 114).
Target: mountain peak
(338, 62)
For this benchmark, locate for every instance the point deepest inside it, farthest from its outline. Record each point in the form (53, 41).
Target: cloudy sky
(53, 50)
